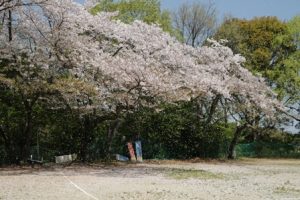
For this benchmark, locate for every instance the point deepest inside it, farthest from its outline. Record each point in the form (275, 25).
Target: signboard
(131, 151)
(122, 158)
(65, 158)
(138, 149)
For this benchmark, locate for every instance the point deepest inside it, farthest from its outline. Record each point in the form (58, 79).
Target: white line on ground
(79, 188)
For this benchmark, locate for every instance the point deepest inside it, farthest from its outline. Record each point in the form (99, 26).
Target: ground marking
(79, 188)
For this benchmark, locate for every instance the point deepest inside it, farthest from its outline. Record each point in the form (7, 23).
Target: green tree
(294, 29)
(270, 48)
(148, 11)
(264, 41)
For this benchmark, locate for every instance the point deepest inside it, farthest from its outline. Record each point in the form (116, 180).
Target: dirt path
(248, 179)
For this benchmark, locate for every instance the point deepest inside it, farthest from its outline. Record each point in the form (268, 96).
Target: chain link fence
(268, 150)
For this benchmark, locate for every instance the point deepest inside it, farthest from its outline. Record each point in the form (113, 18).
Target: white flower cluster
(126, 62)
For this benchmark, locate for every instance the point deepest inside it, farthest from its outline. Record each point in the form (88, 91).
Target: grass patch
(286, 190)
(180, 174)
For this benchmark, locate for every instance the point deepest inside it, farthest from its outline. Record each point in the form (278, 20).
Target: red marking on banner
(131, 151)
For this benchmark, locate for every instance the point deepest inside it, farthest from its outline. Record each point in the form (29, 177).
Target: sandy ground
(171, 180)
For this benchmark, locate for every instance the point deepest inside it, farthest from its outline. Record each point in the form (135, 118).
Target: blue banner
(138, 150)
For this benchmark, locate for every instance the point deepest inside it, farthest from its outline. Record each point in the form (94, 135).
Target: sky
(283, 9)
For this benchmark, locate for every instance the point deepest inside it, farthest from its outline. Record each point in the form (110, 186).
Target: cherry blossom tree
(56, 51)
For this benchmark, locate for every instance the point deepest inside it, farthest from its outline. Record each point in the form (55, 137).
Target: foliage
(147, 11)
(294, 29)
(73, 82)
(269, 48)
(272, 145)
(175, 132)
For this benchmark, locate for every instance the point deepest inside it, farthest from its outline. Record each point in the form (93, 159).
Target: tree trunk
(8, 147)
(234, 141)
(212, 109)
(113, 128)
(28, 128)
(27, 134)
(225, 114)
(9, 26)
(89, 123)
(256, 131)
(12, 158)
(87, 129)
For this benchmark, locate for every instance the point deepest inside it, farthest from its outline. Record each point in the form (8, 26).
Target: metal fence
(265, 149)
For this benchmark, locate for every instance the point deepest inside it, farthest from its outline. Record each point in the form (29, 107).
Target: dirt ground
(167, 180)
